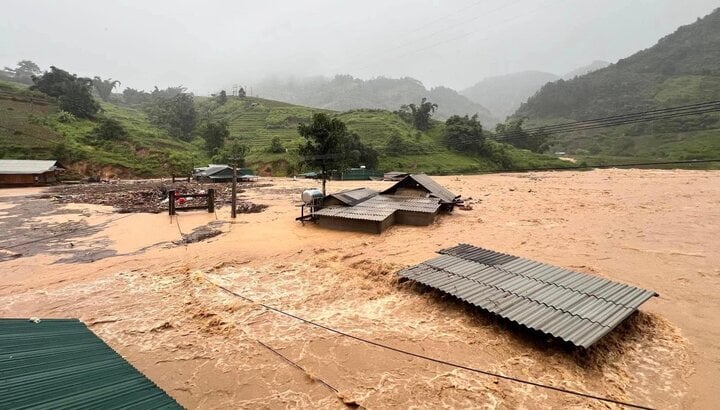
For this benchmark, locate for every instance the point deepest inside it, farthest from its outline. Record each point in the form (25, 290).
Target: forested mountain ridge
(344, 92)
(683, 67)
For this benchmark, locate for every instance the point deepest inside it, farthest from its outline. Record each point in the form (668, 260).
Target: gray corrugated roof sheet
(60, 363)
(573, 306)
(28, 166)
(351, 197)
(432, 187)
(412, 204)
(356, 212)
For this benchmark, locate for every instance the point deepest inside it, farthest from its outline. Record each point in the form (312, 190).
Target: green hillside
(257, 121)
(682, 68)
(32, 126)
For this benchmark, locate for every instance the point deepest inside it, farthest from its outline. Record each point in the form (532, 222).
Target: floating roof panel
(60, 363)
(573, 306)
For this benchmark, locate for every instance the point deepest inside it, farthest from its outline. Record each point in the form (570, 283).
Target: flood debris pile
(148, 197)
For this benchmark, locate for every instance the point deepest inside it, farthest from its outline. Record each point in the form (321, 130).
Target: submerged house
(415, 200)
(24, 172)
(221, 173)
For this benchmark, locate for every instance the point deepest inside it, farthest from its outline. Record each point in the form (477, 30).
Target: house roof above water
(60, 363)
(29, 166)
(425, 183)
(352, 197)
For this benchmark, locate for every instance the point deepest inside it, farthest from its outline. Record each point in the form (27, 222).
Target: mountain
(344, 92)
(594, 66)
(33, 127)
(502, 95)
(682, 68)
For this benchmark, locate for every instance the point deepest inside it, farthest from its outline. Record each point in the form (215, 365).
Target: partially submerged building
(26, 172)
(415, 200)
(222, 173)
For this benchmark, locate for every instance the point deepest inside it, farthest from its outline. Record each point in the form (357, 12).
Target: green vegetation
(682, 68)
(73, 93)
(122, 140)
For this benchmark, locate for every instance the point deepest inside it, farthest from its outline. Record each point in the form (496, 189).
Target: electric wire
(432, 359)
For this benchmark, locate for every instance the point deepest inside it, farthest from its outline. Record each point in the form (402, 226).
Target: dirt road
(154, 301)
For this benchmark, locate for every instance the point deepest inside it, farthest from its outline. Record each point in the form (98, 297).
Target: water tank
(311, 195)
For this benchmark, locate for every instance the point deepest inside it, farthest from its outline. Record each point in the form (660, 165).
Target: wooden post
(233, 200)
(211, 200)
(171, 202)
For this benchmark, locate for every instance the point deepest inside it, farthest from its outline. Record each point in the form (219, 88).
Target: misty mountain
(683, 67)
(503, 94)
(594, 66)
(344, 92)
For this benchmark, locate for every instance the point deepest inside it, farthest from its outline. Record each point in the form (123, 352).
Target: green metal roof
(60, 363)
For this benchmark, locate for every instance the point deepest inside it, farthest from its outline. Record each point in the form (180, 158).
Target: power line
(431, 359)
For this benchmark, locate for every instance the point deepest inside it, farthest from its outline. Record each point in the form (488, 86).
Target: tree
(418, 115)
(214, 133)
(234, 153)
(172, 111)
(134, 97)
(222, 97)
(464, 134)
(395, 145)
(323, 147)
(513, 133)
(357, 153)
(108, 129)
(104, 87)
(179, 163)
(276, 146)
(241, 92)
(24, 72)
(73, 93)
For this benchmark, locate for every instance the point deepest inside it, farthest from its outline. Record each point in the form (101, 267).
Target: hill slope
(344, 92)
(682, 68)
(31, 128)
(256, 121)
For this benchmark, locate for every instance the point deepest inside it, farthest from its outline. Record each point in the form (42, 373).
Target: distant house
(26, 172)
(221, 173)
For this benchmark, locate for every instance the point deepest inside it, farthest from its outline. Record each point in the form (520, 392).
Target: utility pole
(233, 199)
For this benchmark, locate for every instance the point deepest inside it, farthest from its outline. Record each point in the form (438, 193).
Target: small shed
(26, 172)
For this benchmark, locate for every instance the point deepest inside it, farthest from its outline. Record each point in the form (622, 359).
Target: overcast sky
(212, 44)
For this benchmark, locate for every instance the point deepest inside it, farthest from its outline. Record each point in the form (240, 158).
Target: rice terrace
(196, 221)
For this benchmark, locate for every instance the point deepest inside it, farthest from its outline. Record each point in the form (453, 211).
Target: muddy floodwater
(189, 315)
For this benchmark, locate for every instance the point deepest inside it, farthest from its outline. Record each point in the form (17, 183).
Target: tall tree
(323, 147)
(104, 87)
(418, 115)
(24, 72)
(222, 97)
(464, 134)
(214, 133)
(73, 93)
(513, 133)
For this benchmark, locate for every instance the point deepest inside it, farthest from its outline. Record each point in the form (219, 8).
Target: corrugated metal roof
(399, 203)
(351, 197)
(432, 187)
(60, 363)
(356, 212)
(573, 306)
(28, 166)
